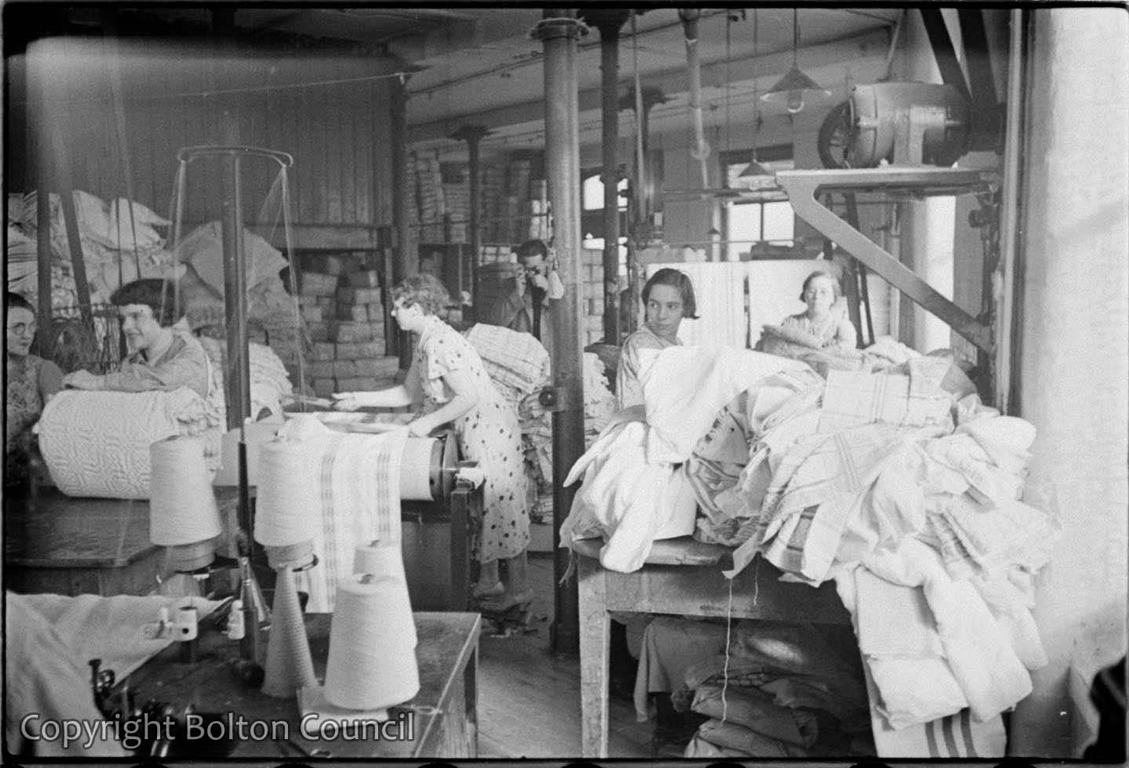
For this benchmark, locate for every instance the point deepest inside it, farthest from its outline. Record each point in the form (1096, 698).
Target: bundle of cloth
(767, 689)
(96, 443)
(353, 484)
(519, 366)
(908, 492)
(635, 486)
(269, 380)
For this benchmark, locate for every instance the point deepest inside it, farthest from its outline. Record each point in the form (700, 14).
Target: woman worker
(32, 381)
(161, 356)
(668, 297)
(821, 326)
(448, 381)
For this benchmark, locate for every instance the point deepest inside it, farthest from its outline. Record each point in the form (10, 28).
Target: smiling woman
(163, 356)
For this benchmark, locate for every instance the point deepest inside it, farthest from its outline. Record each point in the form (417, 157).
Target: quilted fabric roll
(97, 443)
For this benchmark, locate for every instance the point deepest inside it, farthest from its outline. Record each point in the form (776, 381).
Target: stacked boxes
(345, 316)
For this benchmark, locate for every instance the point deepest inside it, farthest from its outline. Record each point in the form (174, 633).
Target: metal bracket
(554, 399)
(802, 187)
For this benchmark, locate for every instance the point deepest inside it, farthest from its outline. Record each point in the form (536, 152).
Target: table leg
(595, 625)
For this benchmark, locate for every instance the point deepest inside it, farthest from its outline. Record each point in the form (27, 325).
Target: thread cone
(289, 664)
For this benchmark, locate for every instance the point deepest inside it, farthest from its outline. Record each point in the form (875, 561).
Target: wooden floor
(529, 699)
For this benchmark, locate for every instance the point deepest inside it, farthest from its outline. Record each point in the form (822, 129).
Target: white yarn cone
(385, 559)
(372, 662)
(287, 506)
(289, 664)
(182, 505)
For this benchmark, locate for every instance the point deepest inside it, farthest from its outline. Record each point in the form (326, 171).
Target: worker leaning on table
(163, 356)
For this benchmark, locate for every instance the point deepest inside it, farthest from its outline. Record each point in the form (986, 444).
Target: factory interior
(467, 381)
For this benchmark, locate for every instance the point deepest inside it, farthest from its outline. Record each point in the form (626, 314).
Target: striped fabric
(511, 358)
(358, 479)
(852, 398)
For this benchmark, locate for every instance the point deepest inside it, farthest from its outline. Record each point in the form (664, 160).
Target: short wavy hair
(679, 280)
(424, 290)
(836, 288)
(157, 294)
(533, 248)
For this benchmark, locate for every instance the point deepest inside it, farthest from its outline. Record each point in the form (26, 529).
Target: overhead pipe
(609, 23)
(689, 17)
(559, 32)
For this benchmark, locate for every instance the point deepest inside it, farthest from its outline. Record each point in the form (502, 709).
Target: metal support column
(559, 31)
(402, 263)
(609, 23)
(472, 135)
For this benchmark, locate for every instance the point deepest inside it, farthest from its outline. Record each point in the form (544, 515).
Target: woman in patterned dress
(448, 383)
(31, 382)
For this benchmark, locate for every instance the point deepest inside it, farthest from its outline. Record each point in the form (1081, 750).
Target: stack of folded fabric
(783, 690)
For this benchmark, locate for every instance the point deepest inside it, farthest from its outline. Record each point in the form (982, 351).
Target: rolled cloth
(97, 443)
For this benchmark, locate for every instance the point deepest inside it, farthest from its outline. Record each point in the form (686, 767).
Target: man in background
(535, 285)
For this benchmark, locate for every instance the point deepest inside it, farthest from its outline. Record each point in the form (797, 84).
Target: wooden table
(682, 577)
(71, 546)
(444, 711)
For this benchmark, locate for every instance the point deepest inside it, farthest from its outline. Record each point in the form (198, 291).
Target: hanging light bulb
(795, 89)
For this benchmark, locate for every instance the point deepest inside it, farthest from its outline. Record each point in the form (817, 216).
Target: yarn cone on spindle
(372, 662)
(182, 505)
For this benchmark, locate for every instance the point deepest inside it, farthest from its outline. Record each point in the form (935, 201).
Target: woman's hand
(82, 380)
(420, 427)
(346, 401)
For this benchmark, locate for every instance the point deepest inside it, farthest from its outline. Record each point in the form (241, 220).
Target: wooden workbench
(681, 577)
(72, 546)
(444, 710)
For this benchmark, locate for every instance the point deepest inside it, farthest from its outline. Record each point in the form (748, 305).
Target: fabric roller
(427, 467)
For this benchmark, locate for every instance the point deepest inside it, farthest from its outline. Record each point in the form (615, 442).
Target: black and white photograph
(471, 382)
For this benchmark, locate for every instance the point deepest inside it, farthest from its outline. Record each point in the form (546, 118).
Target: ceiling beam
(669, 82)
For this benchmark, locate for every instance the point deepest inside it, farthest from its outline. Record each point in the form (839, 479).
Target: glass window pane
(593, 193)
(779, 222)
(744, 224)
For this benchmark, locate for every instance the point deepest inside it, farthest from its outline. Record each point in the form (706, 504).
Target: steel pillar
(609, 23)
(402, 262)
(559, 32)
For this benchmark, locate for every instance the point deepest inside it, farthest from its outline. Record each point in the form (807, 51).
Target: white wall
(1074, 371)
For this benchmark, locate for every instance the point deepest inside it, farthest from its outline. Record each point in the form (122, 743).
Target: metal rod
(1007, 359)
(609, 25)
(559, 33)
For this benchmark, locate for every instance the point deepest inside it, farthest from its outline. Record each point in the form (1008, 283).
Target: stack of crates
(344, 312)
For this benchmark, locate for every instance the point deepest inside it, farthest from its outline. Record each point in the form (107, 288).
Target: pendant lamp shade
(795, 89)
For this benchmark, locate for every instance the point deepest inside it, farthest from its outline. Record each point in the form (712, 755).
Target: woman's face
(819, 296)
(408, 317)
(664, 310)
(21, 331)
(141, 329)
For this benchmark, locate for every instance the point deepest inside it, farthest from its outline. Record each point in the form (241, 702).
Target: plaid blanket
(358, 483)
(511, 358)
(852, 399)
(817, 488)
(974, 540)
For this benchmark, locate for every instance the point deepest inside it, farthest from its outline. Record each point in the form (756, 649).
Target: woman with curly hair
(448, 384)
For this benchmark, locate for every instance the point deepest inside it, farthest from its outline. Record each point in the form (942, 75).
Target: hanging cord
(725, 669)
(123, 150)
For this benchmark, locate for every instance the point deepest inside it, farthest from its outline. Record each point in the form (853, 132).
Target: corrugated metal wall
(336, 129)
